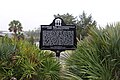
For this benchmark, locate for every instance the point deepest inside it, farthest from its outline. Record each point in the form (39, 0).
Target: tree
(85, 23)
(68, 18)
(16, 28)
(34, 33)
(31, 40)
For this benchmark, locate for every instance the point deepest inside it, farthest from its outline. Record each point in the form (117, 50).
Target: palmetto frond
(98, 56)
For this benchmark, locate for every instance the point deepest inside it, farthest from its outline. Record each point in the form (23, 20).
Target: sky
(33, 13)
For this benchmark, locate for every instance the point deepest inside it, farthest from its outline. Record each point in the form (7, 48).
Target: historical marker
(58, 36)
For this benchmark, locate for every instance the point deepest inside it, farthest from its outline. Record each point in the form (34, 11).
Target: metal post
(58, 53)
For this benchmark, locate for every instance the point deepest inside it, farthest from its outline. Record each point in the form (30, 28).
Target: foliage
(83, 23)
(16, 27)
(25, 61)
(86, 21)
(31, 40)
(68, 18)
(7, 52)
(33, 33)
(98, 56)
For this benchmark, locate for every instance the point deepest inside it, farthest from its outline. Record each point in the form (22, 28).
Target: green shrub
(7, 51)
(24, 61)
(98, 56)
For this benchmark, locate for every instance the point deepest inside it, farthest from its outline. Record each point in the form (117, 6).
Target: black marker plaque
(58, 36)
